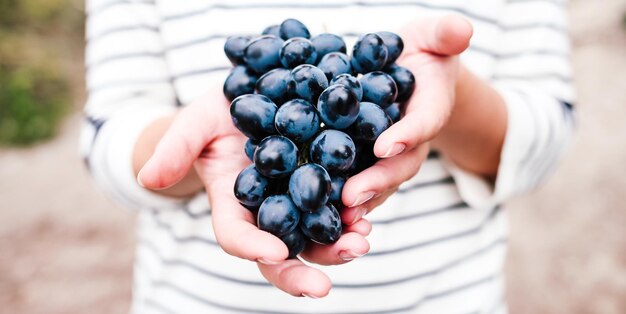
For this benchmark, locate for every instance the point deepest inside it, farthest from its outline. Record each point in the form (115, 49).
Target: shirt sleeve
(534, 76)
(128, 87)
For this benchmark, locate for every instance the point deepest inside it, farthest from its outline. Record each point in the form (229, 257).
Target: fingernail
(362, 198)
(348, 255)
(267, 261)
(360, 213)
(395, 149)
(139, 179)
(309, 296)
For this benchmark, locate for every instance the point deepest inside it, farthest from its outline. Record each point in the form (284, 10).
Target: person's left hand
(431, 49)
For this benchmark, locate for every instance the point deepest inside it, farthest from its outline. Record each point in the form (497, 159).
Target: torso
(430, 252)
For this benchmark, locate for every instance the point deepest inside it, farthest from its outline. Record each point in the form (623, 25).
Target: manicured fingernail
(360, 212)
(362, 198)
(309, 296)
(395, 149)
(267, 261)
(348, 255)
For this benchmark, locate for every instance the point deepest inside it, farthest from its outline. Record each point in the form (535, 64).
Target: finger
(369, 206)
(181, 144)
(354, 215)
(235, 228)
(385, 174)
(297, 279)
(445, 35)
(175, 153)
(427, 111)
(362, 227)
(349, 246)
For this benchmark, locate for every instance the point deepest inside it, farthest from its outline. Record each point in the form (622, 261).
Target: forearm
(474, 135)
(144, 148)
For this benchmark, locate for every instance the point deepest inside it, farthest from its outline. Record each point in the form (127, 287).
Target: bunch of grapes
(311, 114)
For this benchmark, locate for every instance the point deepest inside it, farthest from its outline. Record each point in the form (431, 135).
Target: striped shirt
(437, 245)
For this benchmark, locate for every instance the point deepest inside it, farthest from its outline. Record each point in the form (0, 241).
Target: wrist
(474, 134)
(460, 108)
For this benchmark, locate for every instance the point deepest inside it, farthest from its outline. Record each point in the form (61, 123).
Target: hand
(431, 49)
(203, 136)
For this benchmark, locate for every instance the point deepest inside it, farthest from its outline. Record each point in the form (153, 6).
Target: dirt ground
(568, 240)
(65, 248)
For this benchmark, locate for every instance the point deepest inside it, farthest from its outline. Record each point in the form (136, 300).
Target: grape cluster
(311, 114)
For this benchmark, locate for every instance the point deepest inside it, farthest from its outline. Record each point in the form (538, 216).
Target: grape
(297, 51)
(297, 119)
(369, 54)
(234, 48)
(322, 226)
(276, 156)
(335, 63)
(350, 82)
(295, 242)
(310, 123)
(405, 81)
(393, 112)
(272, 30)
(370, 123)
(239, 82)
(308, 82)
(275, 85)
(254, 116)
(333, 150)
(379, 88)
(278, 215)
(290, 28)
(336, 187)
(327, 43)
(394, 45)
(250, 148)
(251, 188)
(338, 106)
(261, 54)
(309, 187)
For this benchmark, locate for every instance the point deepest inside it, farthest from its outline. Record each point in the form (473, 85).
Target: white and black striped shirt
(437, 245)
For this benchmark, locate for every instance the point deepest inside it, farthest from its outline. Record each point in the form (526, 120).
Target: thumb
(183, 142)
(447, 35)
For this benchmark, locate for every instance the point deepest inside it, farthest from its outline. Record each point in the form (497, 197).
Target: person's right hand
(203, 135)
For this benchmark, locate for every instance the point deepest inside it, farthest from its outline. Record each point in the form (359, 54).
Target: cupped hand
(202, 136)
(431, 49)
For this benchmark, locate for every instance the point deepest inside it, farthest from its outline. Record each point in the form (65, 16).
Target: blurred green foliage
(40, 15)
(33, 99)
(36, 37)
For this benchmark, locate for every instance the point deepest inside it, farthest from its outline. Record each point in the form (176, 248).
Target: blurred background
(65, 248)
